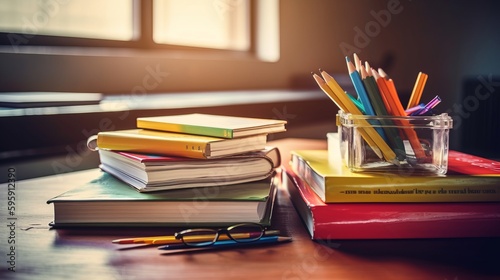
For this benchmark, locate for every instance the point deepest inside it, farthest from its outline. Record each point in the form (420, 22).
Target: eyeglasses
(245, 232)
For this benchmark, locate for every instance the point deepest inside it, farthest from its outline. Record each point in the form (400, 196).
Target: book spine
(413, 193)
(407, 228)
(183, 148)
(464, 190)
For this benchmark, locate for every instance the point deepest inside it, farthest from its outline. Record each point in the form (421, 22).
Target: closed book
(390, 220)
(177, 144)
(333, 183)
(212, 125)
(107, 201)
(148, 172)
(48, 99)
(463, 163)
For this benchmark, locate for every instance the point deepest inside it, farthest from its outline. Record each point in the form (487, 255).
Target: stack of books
(193, 169)
(336, 203)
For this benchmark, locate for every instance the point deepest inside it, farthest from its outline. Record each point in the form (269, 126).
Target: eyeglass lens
(245, 232)
(238, 233)
(199, 237)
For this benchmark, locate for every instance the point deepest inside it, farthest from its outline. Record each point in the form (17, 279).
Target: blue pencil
(359, 87)
(361, 91)
(229, 243)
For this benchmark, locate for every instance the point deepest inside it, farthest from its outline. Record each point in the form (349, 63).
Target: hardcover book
(176, 144)
(390, 220)
(212, 125)
(333, 182)
(462, 163)
(153, 172)
(106, 201)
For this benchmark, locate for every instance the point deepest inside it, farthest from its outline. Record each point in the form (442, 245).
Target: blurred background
(234, 57)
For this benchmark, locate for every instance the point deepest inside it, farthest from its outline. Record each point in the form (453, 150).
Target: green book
(107, 201)
(212, 125)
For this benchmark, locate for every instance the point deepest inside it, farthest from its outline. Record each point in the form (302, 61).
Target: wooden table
(40, 252)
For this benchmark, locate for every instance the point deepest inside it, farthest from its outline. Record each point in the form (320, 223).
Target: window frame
(143, 25)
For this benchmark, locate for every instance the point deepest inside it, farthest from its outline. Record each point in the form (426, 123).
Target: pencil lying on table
(170, 239)
(230, 243)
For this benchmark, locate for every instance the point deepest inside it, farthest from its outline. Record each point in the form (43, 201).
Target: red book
(463, 163)
(391, 220)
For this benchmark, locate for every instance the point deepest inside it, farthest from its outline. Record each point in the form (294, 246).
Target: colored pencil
(392, 134)
(356, 102)
(343, 104)
(335, 92)
(230, 243)
(359, 87)
(170, 239)
(357, 63)
(387, 88)
(418, 88)
(414, 109)
(431, 104)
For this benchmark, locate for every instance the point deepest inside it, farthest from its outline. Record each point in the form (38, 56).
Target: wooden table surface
(36, 251)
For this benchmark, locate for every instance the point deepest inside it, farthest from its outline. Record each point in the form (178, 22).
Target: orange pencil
(418, 88)
(388, 106)
(387, 88)
(389, 81)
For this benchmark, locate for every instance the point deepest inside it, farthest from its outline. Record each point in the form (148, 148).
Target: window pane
(221, 24)
(109, 19)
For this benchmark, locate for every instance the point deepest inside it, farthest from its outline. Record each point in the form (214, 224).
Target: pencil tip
(347, 59)
(396, 162)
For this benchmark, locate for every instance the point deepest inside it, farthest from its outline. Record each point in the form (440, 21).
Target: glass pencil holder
(403, 145)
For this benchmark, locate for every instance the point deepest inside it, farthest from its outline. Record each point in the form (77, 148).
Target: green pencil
(394, 139)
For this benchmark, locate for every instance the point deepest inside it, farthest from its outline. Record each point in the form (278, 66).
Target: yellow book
(334, 183)
(177, 144)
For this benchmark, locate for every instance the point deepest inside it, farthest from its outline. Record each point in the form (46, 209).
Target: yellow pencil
(201, 238)
(418, 88)
(170, 239)
(145, 240)
(335, 92)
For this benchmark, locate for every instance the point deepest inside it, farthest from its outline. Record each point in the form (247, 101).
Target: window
(214, 24)
(64, 45)
(220, 24)
(110, 19)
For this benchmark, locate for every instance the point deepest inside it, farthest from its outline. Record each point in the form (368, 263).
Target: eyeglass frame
(217, 232)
